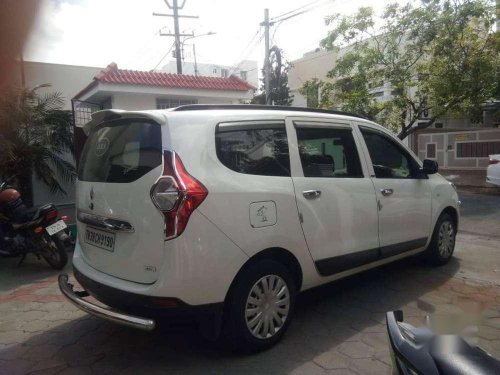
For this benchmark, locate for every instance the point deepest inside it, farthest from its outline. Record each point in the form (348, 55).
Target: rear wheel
(260, 306)
(442, 244)
(54, 253)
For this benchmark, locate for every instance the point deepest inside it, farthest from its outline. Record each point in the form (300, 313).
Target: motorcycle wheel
(55, 253)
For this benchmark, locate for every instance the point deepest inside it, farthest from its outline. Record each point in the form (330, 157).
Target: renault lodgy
(222, 214)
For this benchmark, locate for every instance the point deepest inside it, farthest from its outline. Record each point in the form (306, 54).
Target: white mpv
(222, 214)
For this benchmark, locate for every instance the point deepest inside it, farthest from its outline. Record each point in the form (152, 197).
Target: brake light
(64, 218)
(176, 194)
(38, 230)
(494, 161)
(52, 214)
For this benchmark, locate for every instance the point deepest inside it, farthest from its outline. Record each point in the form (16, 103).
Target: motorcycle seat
(453, 355)
(33, 213)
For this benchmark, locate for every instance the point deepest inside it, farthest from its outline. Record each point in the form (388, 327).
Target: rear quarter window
(121, 151)
(254, 151)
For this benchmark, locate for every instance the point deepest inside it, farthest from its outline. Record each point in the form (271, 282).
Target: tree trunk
(410, 130)
(25, 186)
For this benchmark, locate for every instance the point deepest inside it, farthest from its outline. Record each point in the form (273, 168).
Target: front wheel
(54, 252)
(442, 244)
(260, 306)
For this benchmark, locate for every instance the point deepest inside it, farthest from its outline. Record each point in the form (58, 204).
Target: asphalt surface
(338, 328)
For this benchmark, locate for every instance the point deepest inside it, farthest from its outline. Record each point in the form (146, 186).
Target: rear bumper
(493, 180)
(106, 313)
(141, 311)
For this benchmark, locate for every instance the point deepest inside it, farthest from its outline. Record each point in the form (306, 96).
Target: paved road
(338, 329)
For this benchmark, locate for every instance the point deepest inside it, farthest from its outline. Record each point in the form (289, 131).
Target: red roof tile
(111, 74)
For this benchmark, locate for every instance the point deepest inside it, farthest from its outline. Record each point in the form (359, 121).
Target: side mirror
(430, 166)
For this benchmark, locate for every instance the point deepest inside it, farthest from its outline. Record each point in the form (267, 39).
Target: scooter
(36, 230)
(418, 351)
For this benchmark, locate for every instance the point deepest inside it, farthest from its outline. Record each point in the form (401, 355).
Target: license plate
(56, 227)
(100, 238)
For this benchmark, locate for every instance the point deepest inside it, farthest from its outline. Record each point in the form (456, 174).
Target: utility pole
(195, 63)
(178, 52)
(177, 35)
(267, 70)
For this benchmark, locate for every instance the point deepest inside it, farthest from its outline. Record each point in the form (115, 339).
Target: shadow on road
(31, 271)
(346, 317)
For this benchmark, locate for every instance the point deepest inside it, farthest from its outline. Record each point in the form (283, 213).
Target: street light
(194, 48)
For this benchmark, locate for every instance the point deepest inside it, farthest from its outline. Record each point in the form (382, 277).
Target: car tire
(260, 307)
(442, 245)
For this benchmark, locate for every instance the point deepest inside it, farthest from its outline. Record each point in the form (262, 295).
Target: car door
(335, 196)
(403, 193)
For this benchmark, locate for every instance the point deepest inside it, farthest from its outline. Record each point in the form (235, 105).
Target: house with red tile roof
(138, 90)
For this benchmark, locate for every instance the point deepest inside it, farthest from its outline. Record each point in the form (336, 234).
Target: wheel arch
(452, 211)
(279, 255)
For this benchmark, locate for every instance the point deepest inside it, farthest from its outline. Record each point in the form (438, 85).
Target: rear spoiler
(114, 114)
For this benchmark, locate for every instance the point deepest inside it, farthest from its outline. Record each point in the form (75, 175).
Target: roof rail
(205, 107)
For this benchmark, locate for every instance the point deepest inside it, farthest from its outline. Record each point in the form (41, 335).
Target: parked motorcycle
(36, 230)
(417, 350)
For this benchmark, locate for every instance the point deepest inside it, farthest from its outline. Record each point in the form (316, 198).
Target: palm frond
(36, 137)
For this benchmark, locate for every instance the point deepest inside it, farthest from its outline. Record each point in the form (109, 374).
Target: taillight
(52, 214)
(494, 161)
(176, 194)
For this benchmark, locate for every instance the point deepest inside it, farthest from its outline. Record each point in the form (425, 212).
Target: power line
(165, 55)
(250, 47)
(267, 23)
(295, 10)
(243, 58)
(250, 42)
(277, 26)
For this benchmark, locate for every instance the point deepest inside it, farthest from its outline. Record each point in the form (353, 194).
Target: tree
(279, 90)
(35, 136)
(439, 58)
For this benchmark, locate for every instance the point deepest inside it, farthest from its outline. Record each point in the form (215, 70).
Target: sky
(98, 32)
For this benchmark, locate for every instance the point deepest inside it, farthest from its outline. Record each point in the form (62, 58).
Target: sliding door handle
(311, 194)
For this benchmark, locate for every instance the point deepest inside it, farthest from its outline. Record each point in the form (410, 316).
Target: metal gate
(82, 113)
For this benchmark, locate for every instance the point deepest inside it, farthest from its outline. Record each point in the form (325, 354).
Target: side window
(328, 152)
(388, 158)
(254, 151)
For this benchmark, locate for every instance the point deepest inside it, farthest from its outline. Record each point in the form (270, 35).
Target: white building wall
(315, 64)
(66, 79)
(299, 100)
(133, 101)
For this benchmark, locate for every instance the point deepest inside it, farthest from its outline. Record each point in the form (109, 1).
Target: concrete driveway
(338, 329)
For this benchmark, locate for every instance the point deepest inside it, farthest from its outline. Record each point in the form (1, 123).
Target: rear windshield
(121, 151)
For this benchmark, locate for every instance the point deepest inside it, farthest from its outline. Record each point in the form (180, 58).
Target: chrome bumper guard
(106, 313)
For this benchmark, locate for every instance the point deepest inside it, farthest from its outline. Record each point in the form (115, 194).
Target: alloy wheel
(446, 240)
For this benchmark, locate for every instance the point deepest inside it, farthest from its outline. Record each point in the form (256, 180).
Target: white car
(493, 170)
(222, 214)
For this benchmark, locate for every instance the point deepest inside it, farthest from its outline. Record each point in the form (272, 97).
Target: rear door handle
(104, 222)
(386, 192)
(311, 194)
